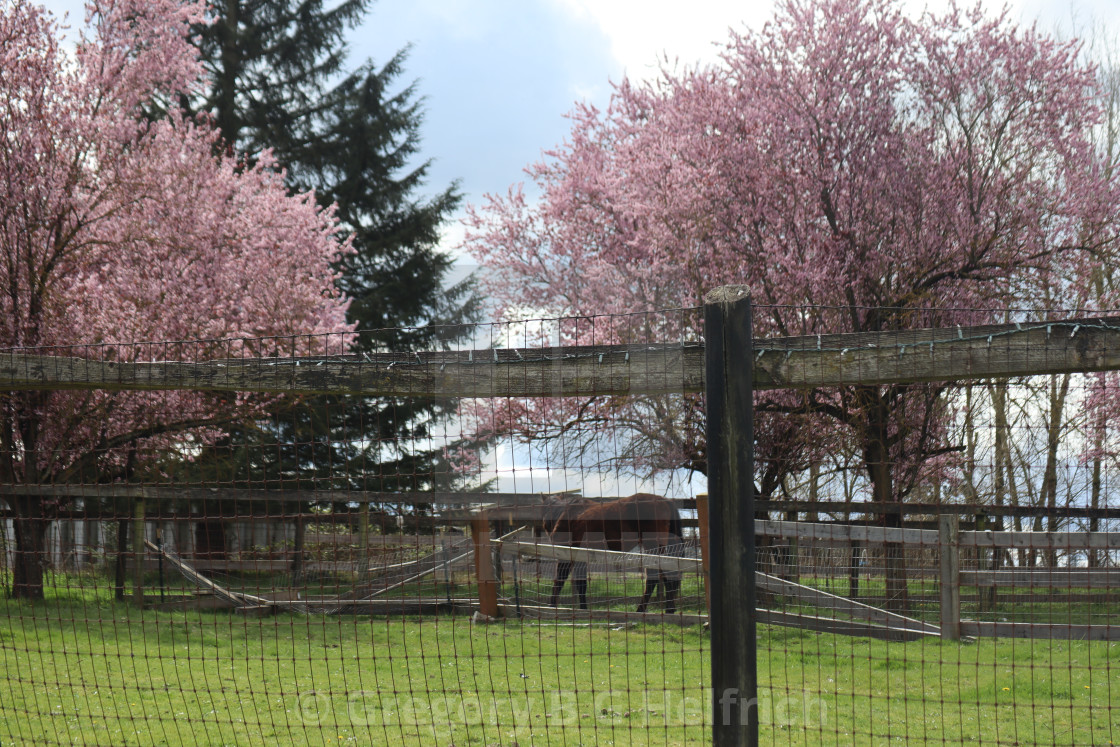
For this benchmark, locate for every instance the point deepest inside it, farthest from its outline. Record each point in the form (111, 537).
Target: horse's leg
(563, 568)
(672, 584)
(651, 585)
(580, 585)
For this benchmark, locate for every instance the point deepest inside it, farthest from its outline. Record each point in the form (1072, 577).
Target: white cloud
(642, 31)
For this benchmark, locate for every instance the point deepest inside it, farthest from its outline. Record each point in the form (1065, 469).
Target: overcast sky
(498, 76)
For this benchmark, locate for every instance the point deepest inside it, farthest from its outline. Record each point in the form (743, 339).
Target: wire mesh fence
(505, 542)
(385, 642)
(937, 538)
(298, 545)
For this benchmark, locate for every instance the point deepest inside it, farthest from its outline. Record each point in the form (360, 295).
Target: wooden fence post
(484, 568)
(702, 526)
(730, 453)
(950, 548)
(298, 542)
(363, 532)
(793, 567)
(854, 557)
(982, 563)
(138, 554)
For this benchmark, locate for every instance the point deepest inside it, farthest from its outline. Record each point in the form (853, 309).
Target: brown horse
(641, 519)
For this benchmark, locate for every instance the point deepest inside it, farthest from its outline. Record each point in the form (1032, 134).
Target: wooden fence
(962, 353)
(729, 366)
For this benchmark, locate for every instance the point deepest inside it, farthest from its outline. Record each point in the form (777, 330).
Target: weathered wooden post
(484, 568)
(950, 549)
(447, 571)
(298, 542)
(120, 571)
(793, 567)
(985, 560)
(363, 534)
(730, 454)
(853, 569)
(159, 544)
(138, 554)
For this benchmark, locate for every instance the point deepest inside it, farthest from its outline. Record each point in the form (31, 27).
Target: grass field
(81, 668)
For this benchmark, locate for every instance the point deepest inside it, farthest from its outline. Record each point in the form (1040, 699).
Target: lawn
(81, 668)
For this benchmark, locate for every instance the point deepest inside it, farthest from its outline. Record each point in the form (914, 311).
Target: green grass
(994, 691)
(80, 668)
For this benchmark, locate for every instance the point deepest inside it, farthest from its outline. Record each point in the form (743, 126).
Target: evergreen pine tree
(278, 80)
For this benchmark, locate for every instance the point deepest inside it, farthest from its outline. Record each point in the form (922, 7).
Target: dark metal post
(730, 455)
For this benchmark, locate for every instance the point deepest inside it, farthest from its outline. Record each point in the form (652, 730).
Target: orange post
(484, 568)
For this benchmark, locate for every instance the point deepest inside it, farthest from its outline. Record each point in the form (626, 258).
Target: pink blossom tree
(860, 170)
(116, 229)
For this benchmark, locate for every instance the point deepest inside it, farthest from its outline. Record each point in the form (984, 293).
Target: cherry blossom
(117, 227)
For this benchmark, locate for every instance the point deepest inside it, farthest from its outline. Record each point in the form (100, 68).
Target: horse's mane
(561, 508)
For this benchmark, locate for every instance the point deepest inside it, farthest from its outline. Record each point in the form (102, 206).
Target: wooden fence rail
(949, 542)
(846, 533)
(991, 351)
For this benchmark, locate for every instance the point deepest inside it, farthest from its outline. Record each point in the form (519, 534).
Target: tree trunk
(119, 570)
(1005, 466)
(1059, 388)
(298, 542)
(877, 459)
(894, 560)
(1095, 503)
(28, 519)
(814, 490)
(67, 555)
(1002, 480)
(210, 537)
(971, 494)
(5, 587)
(30, 555)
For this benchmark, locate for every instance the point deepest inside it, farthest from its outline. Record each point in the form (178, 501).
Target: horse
(644, 519)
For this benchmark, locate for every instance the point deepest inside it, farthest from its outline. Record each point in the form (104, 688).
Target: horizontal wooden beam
(1043, 540)
(529, 507)
(1045, 578)
(934, 509)
(1053, 631)
(763, 616)
(251, 495)
(568, 614)
(840, 627)
(568, 554)
(993, 351)
(515, 372)
(845, 533)
(498, 510)
(826, 601)
(981, 352)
